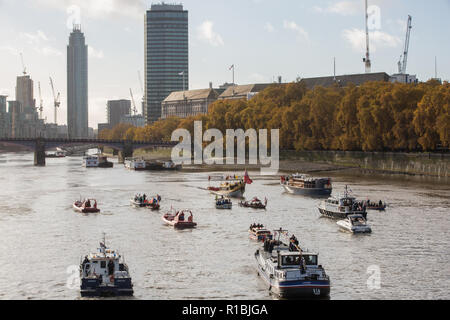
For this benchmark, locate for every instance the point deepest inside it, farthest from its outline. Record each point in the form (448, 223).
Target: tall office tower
(166, 55)
(77, 85)
(24, 94)
(116, 110)
(3, 104)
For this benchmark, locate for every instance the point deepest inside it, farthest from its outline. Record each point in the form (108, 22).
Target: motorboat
(223, 203)
(162, 165)
(178, 219)
(378, 206)
(143, 201)
(301, 184)
(104, 273)
(354, 223)
(255, 203)
(135, 164)
(259, 233)
(97, 161)
(290, 271)
(342, 206)
(86, 206)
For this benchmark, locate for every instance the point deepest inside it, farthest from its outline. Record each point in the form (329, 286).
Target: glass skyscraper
(77, 85)
(166, 55)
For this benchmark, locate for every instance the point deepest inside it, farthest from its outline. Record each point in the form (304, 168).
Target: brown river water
(42, 238)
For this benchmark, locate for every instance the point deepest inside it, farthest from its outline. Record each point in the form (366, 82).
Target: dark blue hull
(306, 289)
(94, 288)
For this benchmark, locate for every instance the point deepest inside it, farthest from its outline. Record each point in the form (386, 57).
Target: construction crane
(366, 60)
(134, 104)
(23, 64)
(41, 102)
(402, 64)
(56, 100)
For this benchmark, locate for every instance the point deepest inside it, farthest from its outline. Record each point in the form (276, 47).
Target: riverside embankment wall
(430, 164)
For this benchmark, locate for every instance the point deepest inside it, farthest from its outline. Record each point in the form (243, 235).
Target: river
(42, 238)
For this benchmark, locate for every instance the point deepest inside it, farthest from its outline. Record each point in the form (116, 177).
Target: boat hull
(180, 224)
(85, 210)
(224, 206)
(94, 288)
(296, 289)
(306, 191)
(339, 215)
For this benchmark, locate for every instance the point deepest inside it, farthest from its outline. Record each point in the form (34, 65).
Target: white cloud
(378, 39)
(100, 9)
(39, 43)
(345, 8)
(206, 33)
(98, 54)
(301, 33)
(269, 27)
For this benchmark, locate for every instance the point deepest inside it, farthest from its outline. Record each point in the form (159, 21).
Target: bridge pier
(39, 153)
(127, 151)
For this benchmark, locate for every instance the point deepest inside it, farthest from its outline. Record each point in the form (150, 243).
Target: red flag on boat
(247, 178)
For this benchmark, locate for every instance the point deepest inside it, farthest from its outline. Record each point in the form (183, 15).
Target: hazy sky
(263, 38)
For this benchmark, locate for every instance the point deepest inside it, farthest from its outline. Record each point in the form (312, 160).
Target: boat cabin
(104, 264)
(290, 259)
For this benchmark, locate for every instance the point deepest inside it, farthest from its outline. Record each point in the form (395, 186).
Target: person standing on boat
(111, 267)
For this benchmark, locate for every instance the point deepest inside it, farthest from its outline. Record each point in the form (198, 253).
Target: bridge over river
(125, 147)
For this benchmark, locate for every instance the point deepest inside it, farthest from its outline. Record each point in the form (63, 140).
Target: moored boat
(56, 154)
(178, 219)
(255, 203)
(289, 271)
(342, 206)
(105, 273)
(300, 184)
(86, 206)
(259, 233)
(223, 203)
(162, 165)
(135, 164)
(354, 223)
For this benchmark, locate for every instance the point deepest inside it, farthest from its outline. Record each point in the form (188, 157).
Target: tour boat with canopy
(343, 206)
(86, 206)
(354, 223)
(259, 233)
(183, 219)
(301, 184)
(104, 273)
(289, 271)
(255, 203)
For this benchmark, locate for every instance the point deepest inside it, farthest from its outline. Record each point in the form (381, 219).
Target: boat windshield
(358, 221)
(310, 260)
(290, 260)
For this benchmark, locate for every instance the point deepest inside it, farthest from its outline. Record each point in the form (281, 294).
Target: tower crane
(402, 64)
(56, 100)
(41, 102)
(134, 104)
(366, 60)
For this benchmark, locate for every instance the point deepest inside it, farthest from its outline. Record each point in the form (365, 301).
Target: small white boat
(135, 164)
(355, 223)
